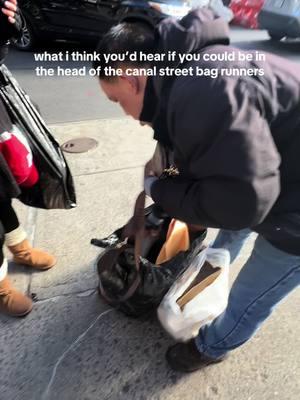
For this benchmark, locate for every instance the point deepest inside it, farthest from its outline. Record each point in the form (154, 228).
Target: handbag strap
(110, 256)
(139, 227)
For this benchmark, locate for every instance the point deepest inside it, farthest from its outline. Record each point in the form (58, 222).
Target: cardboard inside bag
(207, 275)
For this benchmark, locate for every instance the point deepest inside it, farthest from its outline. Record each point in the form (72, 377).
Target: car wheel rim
(25, 39)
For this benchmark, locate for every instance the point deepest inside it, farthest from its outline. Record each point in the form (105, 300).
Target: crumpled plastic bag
(198, 296)
(216, 5)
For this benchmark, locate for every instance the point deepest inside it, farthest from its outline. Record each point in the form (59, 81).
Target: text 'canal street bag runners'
(55, 188)
(129, 277)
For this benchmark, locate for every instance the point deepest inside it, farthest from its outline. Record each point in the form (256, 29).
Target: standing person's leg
(8, 217)
(15, 240)
(3, 262)
(268, 276)
(12, 302)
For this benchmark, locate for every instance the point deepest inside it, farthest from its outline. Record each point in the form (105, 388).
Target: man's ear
(132, 81)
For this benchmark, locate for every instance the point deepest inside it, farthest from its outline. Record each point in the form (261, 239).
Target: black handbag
(129, 279)
(55, 188)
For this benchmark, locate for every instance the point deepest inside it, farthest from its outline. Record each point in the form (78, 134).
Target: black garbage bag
(55, 188)
(129, 279)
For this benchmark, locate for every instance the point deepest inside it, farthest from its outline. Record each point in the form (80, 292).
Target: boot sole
(34, 268)
(20, 315)
(46, 268)
(175, 366)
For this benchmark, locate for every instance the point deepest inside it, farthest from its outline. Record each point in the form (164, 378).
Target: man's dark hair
(124, 39)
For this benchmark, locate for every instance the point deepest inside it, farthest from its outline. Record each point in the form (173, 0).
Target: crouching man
(236, 145)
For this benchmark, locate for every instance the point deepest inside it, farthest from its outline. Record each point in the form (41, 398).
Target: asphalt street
(67, 99)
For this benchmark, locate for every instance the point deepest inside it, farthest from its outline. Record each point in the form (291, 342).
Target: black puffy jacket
(8, 185)
(236, 139)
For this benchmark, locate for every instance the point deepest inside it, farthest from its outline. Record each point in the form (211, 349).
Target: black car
(281, 18)
(87, 20)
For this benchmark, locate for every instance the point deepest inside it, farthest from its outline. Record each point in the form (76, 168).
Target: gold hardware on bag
(172, 171)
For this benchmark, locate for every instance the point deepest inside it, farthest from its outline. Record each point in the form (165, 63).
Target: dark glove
(7, 29)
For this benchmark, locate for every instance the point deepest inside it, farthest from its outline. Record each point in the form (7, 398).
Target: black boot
(185, 357)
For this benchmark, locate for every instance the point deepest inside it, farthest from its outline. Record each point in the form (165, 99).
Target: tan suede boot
(26, 255)
(13, 302)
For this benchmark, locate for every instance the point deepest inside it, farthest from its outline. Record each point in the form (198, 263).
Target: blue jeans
(268, 276)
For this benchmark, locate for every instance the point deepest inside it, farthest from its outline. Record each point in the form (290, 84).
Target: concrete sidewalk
(73, 347)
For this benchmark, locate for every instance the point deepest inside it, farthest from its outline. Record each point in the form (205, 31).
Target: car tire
(276, 36)
(27, 41)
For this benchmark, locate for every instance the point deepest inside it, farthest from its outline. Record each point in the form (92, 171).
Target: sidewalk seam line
(51, 124)
(30, 228)
(109, 171)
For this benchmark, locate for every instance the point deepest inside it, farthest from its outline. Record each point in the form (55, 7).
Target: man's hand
(9, 8)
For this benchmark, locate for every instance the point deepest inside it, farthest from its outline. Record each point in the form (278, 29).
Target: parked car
(87, 20)
(281, 18)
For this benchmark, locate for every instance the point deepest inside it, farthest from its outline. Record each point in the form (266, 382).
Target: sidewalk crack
(71, 347)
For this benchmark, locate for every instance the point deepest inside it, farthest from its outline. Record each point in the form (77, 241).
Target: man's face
(127, 91)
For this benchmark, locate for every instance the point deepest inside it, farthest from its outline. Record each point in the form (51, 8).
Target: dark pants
(8, 222)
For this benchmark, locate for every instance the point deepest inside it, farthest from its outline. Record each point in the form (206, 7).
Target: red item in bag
(246, 12)
(18, 155)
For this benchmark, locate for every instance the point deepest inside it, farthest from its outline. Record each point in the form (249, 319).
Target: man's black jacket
(236, 140)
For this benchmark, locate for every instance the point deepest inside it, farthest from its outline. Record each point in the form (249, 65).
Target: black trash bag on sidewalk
(129, 280)
(55, 188)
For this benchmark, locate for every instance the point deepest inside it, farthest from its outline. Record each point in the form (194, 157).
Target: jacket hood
(198, 29)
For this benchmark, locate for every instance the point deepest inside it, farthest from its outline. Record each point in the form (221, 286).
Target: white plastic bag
(216, 5)
(204, 302)
(199, 3)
